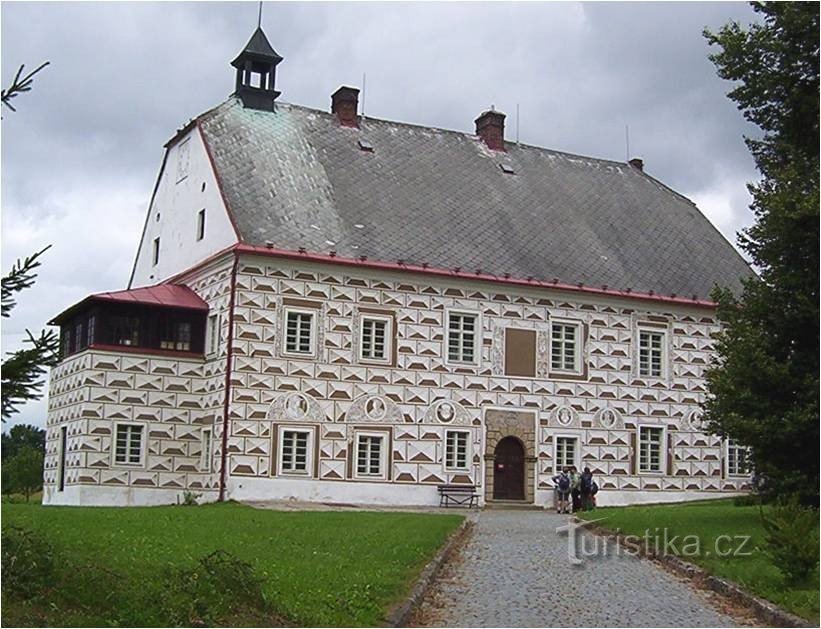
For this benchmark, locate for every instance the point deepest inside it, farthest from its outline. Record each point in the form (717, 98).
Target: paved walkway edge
(766, 611)
(399, 615)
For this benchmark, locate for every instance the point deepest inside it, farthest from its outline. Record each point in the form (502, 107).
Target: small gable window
(201, 224)
(155, 252)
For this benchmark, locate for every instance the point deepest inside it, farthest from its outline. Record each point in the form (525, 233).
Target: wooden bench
(458, 495)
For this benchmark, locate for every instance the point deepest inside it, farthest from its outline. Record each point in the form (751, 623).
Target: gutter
(228, 361)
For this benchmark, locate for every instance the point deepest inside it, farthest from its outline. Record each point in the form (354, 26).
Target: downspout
(228, 359)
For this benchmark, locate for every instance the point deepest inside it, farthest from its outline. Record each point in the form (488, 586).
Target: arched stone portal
(517, 426)
(509, 470)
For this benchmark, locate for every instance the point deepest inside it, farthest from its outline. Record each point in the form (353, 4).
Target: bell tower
(256, 73)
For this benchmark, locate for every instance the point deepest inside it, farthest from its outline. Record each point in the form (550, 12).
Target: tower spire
(256, 71)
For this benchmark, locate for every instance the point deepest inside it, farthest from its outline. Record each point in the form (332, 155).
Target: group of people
(574, 491)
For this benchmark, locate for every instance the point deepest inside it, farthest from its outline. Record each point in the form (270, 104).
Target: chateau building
(336, 308)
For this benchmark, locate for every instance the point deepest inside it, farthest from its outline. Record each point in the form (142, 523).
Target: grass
(709, 520)
(317, 568)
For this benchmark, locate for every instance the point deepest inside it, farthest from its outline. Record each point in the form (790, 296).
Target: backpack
(564, 483)
(587, 483)
(594, 489)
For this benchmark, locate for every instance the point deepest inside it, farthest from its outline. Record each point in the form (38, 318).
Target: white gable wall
(172, 215)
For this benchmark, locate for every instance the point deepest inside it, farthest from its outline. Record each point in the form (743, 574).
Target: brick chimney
(637, 163)
(344, 103)
(490, 127)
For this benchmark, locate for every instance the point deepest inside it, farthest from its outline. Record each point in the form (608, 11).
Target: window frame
(309, 451)
(576, 450)
(388, 346)
(384, 461)
(578, 358)
(212, 333)
(287, 310)
(665, 353)
(468, 450)
(662, 450)
(126, 464)
(477, 338)
(732, 444)
(206, 463)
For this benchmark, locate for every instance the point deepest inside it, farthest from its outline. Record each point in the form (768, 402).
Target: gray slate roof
(296, 178)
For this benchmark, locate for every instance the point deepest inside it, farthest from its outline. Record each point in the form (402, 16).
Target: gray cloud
(81, 154)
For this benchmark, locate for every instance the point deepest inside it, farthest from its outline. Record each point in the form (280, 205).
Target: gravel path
(514, 572)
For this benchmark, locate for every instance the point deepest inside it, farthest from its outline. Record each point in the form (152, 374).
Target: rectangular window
(124, 330)
(205, 461)
(369, 451)
(738, 459)
(651, 353)
(176, 336)
(90, 330)
(650, 448)
(201, 224)
(79, 339)
(294, 452)
(565, 347)
(65, 341)
(155, 252)
(520, 353)
(128, 444)
(375, 342)
(462, 337)
(456, 449)
(299, 334)
(213, 333)
(566, 448)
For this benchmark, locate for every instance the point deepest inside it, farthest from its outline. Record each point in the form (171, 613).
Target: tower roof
(259, 49)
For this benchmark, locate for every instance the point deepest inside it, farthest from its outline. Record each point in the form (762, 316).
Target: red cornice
(463, 275)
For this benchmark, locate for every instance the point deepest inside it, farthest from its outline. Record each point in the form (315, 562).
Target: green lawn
(317, 568)
(709, 520)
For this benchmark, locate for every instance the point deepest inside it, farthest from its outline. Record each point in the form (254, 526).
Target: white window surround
(736, 471)
(114, 461)
(665, 351)
(387, 350)
(468, 453)
(314, 314)
(383, 455)
(213, 334)
(477, 337)
(578, 360)
(207, 449)
(662, 466)
(576, 450)
(309, 458)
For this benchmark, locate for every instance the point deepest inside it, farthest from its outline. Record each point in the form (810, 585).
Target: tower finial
(259, 19)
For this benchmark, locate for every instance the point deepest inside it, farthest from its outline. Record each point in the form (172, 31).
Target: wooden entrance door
(509, 470)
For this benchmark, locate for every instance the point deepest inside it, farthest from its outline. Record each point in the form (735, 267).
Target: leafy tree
(23, 370)
(20, 436)
(764, 383)
(23, 472)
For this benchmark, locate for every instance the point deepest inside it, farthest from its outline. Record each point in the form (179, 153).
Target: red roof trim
(462, 275)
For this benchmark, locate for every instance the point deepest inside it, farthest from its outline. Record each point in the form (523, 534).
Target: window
(176, 335)
(125, 330)
(213, 333)
(456, 449)
(201, 224)
(738, 459)
(294, 455)
(375, 341)
(462, 337)
(65, 341)
(155, 253)
(565, 347)
(299, 333)
(566, 448)
(520, 353)
(205, 461)
(79, 339)
(650, 449)
(90, 330)
(369, 455)
(128, 444)
(651, 353)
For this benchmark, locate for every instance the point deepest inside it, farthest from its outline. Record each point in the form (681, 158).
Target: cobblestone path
(514, 572)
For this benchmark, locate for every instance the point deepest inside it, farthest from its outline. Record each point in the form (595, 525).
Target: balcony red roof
(160, 296)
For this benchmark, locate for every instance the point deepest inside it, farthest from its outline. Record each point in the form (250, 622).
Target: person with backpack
(589, 489)
(575, 488)
(562, 483)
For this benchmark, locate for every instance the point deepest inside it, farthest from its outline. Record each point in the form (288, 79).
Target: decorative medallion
(447, 412)
(564, 415)
(695, 420)
(295, 407)
(374, 408)
(608, 418)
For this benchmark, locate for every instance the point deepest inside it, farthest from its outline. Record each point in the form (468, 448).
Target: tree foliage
(20, 436)
(23, 370)
(23, 472)
(764, 384)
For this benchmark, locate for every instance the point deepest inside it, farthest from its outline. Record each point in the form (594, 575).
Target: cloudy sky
(80, 155)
